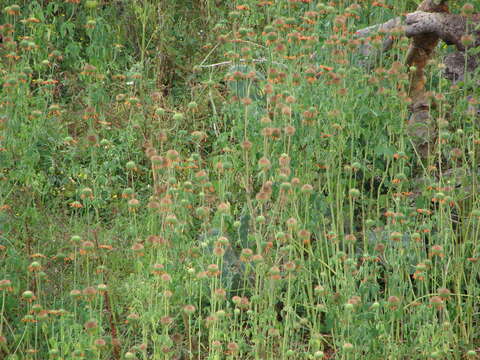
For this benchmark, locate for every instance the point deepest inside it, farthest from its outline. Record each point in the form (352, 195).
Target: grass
(200, 180)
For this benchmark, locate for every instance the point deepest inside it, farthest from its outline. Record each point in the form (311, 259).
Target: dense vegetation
(199, 179)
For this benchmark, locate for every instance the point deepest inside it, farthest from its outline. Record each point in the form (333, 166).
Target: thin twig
(209, 53)
(261, 60)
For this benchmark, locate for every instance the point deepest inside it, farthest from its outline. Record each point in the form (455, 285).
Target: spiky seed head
(189, 309)
(468, 9)
(28, 295)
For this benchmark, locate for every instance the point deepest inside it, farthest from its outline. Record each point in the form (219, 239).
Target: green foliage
(210, 180)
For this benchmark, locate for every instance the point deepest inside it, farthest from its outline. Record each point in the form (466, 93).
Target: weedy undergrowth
(209, 180)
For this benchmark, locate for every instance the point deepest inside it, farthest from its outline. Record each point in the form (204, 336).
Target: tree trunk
(430, 24)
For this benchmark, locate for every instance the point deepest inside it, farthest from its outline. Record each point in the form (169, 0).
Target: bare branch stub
(386, 27)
